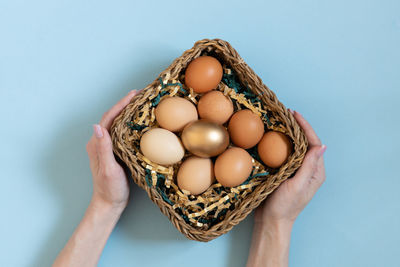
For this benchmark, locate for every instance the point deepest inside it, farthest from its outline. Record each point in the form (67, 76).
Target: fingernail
(322, 150)
(97, 131)
(291, 111)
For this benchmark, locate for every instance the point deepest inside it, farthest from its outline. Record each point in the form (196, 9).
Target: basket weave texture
(125, 149)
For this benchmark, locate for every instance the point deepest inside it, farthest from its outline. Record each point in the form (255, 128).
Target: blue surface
(63, 63)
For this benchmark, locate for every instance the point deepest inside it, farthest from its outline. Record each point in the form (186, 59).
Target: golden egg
(204, 138)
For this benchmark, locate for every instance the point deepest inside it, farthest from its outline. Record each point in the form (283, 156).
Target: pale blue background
(63, 63)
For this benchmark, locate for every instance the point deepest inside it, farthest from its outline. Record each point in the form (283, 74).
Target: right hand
(291, 197)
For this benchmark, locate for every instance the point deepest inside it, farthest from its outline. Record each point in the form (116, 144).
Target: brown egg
(196, 175)
(173, 113)
(245, 128)
(215, 106)
(233, 167)
(203, 74)
(274, 149)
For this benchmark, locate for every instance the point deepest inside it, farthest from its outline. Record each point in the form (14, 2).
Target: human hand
(110, 196)
(291, 197)
(110, 184)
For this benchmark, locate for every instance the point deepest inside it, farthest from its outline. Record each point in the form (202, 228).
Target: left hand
(110, 184)
(110, 196)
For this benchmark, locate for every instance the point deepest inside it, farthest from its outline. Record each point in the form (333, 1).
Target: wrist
(278, 230)
(100, 206)
(278, 225)
(270, 243)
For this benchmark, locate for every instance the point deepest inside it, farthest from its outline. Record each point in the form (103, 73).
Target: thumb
(310, 163)
(103, 145)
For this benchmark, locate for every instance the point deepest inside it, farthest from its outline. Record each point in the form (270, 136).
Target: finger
(91, 150)
(310, 163)
(110, 115)
(104, 149)
(312, 137)
(320, 174)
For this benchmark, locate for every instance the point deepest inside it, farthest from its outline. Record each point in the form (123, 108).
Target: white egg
(161, 146)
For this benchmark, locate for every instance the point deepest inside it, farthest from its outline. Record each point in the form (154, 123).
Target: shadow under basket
(217, 210)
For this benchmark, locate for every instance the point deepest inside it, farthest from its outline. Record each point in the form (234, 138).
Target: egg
(233, 167)
(274, 149)
(161, 146)
(173, 113)
(203, 74)
(215, 106)
(196, 175)
(245, 128)
(204, 138)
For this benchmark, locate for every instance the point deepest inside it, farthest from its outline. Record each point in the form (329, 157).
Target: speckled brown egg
(274, 149)
(233, 167)
(245, 128)
(203, 74)
(215, 106)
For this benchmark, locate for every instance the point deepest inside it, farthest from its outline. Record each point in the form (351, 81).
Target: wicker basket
(127, 150)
